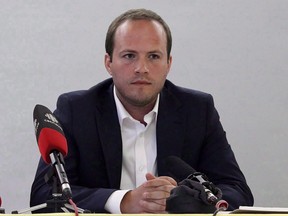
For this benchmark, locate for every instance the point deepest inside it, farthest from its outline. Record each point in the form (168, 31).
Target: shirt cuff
(113, 203)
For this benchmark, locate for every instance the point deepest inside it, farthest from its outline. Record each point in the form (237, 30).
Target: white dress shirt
(139, 152)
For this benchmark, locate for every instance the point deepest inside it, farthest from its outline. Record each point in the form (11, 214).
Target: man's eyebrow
(156, 51)
(134, 51)
(128, 50)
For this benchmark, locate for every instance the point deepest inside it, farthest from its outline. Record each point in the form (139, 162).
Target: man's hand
(150, 197)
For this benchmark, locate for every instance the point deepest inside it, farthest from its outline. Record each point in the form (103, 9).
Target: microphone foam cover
(178, 168)
(50, 140)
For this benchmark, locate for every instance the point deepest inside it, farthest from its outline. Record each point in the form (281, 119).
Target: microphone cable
(218, 210)
(220, 207)
(74, 207)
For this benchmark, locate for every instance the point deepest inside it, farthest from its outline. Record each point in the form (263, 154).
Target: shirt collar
(123, 114)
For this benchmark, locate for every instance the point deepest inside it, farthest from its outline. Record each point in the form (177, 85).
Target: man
(120, 131)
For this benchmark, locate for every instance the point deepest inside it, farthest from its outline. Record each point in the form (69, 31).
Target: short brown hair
(135, 14)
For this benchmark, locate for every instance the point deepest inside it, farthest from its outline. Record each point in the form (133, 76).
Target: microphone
(181, 170)
(52, 144)
(2, 210)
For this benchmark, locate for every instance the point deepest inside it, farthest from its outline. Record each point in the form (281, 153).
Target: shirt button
(141, 168)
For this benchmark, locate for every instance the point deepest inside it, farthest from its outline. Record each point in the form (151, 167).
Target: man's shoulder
(183, 93)
(96, 92)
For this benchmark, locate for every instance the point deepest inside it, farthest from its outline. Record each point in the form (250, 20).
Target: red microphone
(2, 210)
(49, 140)
(52, 143)
(49, 133)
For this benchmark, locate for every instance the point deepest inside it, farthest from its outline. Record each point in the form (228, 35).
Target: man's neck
(138, 112)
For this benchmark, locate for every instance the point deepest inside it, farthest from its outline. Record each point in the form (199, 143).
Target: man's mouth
(141, 82)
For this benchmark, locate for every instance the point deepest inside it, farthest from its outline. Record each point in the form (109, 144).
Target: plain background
(234, 49)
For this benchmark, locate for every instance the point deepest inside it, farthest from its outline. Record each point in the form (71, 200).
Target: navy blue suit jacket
(188, 126)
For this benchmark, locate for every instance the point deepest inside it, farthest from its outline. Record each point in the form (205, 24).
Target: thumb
(150, 176)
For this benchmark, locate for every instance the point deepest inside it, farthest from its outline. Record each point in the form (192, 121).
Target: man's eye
(154, 56)
(129, 56)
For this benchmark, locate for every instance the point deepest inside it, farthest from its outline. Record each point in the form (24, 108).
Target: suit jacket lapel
(110, 136)
(170, 129)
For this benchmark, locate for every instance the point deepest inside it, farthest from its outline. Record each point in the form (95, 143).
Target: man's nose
(141, 66)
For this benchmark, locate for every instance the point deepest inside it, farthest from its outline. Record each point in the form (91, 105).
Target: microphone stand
(58, 203)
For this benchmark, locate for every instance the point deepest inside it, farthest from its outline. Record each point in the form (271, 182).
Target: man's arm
(150, 197)
(218, 162)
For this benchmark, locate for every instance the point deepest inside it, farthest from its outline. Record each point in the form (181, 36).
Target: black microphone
(181, 170)
(52, 144)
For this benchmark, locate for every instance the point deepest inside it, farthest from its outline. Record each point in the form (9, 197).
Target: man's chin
(143, 101)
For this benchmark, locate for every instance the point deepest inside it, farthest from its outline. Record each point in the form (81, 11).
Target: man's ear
(169, 63)
(107, 63)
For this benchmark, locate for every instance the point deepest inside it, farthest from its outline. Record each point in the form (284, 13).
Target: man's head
(141, 61)
(135, 14)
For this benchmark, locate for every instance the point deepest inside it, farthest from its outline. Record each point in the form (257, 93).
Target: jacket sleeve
(218, 162)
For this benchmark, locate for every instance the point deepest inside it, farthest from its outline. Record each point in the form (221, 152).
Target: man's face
(139, 64)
